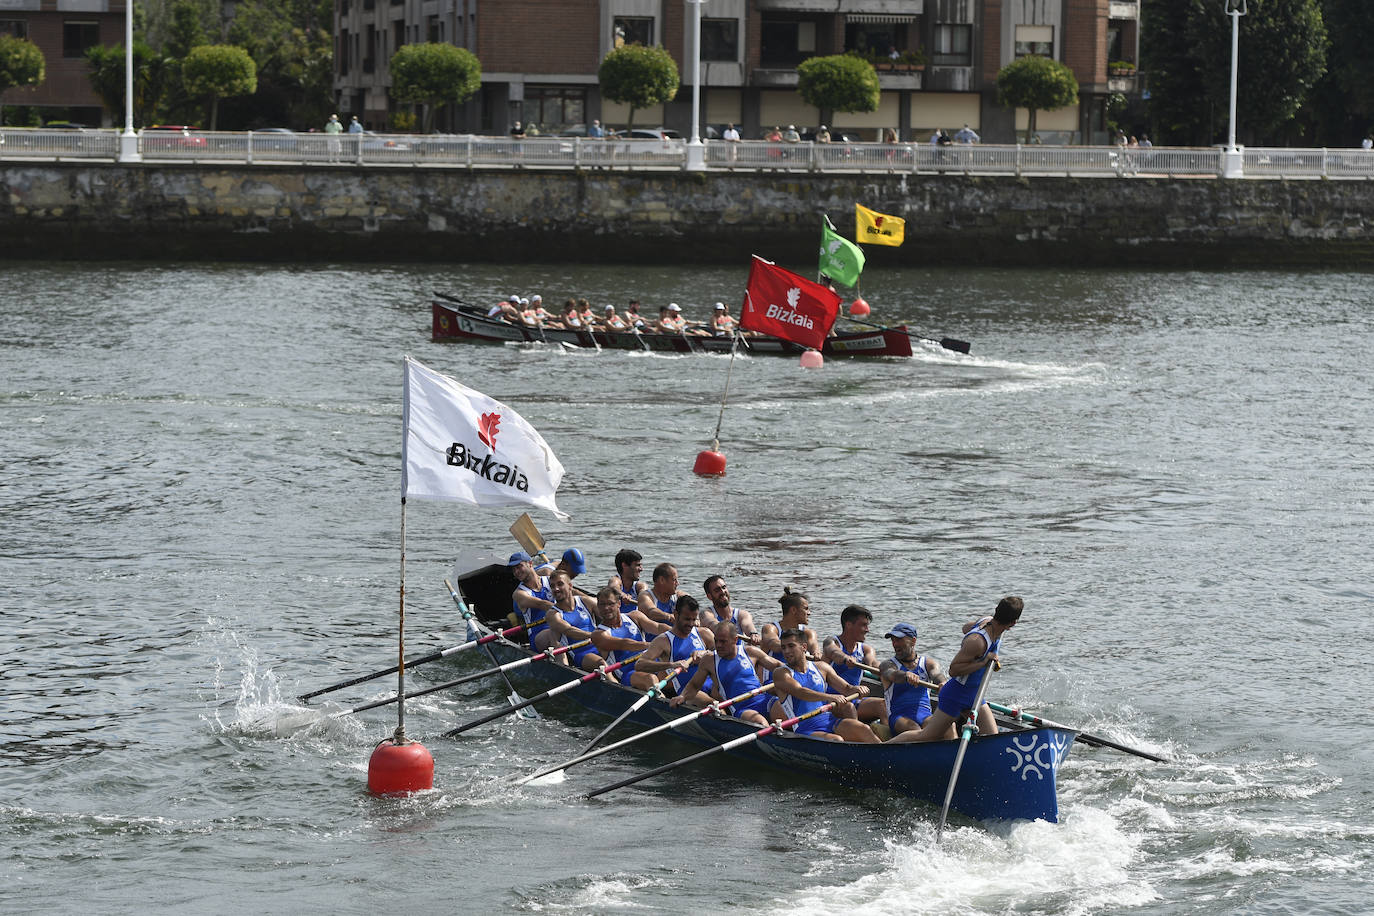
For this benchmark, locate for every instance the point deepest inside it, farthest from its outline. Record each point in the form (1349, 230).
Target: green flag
(841, 260)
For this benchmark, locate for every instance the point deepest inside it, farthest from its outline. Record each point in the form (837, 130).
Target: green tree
(21, 64)
(840, 82)
(295, 58)
(107, 79)
(213, 72)
(434, 74)
(1036, 84)
(639, 77)
(1341, 105)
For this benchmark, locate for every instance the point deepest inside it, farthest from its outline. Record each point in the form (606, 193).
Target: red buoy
(859, 307)
(710, 463)
(812, 359)
(400, 769)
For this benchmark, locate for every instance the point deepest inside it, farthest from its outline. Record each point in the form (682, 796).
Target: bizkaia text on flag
(782, 304)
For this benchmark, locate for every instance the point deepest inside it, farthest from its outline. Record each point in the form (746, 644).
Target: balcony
(773, 78)
(902, 8)
(949, 79)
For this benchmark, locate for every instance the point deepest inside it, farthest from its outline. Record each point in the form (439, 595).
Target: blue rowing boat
(1009, 776)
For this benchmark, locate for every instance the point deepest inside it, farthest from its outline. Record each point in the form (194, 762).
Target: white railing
(469, 152)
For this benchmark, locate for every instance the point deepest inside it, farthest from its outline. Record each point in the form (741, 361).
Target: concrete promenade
(82, 210)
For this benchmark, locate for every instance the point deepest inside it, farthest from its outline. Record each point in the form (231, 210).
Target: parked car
(374, 142)
(836, 136)
(168, 137)
(650, 133)
(275, 140)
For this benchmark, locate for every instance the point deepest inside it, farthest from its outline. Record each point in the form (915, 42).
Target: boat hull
(458, 323)
(1011, 776)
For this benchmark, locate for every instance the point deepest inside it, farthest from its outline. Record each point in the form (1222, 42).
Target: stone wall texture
(86, 211)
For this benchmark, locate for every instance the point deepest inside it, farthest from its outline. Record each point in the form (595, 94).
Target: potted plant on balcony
(912, 61)
(1121, 68)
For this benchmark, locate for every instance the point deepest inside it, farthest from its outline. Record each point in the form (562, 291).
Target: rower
(634, 319)
(684, 642)
(613, 321)
(906, 699)
(570, 622)
(722, 322)
(619, 636)
(976, 653)
(721, 610)
(509, 309)
(796, 613)
(629, 565)
(658, 600)
(584, 312)
(733, 669)
(847, 651)
(570, 319)
(532, 597)
(802, 686)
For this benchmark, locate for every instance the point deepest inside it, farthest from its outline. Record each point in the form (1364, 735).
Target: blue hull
(1011, 776)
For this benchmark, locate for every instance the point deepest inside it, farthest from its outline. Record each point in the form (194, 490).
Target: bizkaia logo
(790, 315)
(486, 466)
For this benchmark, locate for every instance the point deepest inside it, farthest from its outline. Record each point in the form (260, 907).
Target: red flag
(780, 303)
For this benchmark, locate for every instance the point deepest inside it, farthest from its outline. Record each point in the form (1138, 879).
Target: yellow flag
(873, 228)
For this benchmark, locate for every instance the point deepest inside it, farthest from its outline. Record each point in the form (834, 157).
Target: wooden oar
(562, 688)
(514, 695)
(432, 657)
(949, 343)
(1082, 736)
(528, 535)
(716, 749)
(648, 695)
(967, 733)
(675, 723)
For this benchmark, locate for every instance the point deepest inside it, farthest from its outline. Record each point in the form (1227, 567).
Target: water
(201, 519)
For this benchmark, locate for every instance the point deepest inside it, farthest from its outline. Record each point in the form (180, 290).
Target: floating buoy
(859, 307)
(400, 769)
(812, 359)
(710, 463)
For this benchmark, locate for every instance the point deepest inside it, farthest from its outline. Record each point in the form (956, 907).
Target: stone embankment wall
(93, 211)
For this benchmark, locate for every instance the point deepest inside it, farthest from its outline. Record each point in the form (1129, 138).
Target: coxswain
(733, 669)
(976, 653)
(659, 599)
(619, 637)
(796, 614)
(684, 642)
(905, 697)
(803, 685)
(848, 651)
(532, 597)
(718, 593)
(571, 622)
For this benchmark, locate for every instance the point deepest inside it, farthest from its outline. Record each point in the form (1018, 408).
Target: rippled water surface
(201, 519)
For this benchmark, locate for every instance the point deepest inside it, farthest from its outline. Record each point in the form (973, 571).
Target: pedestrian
(730, 134)
(355, 126)
(966, 135)
(596, 132)
(1367, 142)
(333, 128)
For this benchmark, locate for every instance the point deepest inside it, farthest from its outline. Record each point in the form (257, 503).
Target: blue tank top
(778, 624)
(683, 647)
(577, 617)
(628, 629)
(544, 592)
(667, 605)
(974, 678)
(631, 589)
(901, 697)
(736, 675)
(851, 674)
(811, 678)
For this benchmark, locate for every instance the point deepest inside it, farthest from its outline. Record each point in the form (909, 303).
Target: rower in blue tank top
(684, 641)
(804, 686)
(796, 614)
(531, 598)
(628, 566)
(849, 654)
(732, 668)
(718, 592)
(907, 701)
(619, 637)
(571, 623)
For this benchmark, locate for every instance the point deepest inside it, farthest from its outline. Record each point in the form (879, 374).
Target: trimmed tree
(840, 82)
(639, 77)
(1036, 84)
(21, 64)
(213, 72)
(434, 74)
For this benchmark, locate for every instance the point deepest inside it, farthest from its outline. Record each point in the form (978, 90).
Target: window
(78, 36)
(370, 50)
(432, 24)
(19, 28)
(786, 43)
(953, 45)
(631, 30)
(864, 37)
(343, 52)
(554, 108)
(398, 31)
(720, 39)
(1035, 39)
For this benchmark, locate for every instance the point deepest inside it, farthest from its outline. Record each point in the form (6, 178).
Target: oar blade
(958, 346)
(524, 531)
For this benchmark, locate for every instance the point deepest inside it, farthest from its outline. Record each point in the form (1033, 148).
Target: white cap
(674, 307)
(524, 301)
(610, 308)
(720, 306)
(513, 298)
(536, 298)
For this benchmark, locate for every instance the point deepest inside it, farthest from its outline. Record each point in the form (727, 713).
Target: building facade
(63, 30)
(937, 59)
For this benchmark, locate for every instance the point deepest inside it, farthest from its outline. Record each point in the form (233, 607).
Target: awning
(877, 18)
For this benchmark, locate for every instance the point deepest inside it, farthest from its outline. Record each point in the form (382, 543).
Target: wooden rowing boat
(1010, 776)
(455, 322)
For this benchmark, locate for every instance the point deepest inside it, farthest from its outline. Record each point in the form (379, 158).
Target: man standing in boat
(733, 669)
(659, 599)
(796, 614)
(977, 652)
(684, 642)
(722, 610)
(804, 685)
(619, 636)
(847, 651)
(531, 599)
(907, 702)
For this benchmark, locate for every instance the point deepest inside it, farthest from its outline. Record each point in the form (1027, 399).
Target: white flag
(462, 445)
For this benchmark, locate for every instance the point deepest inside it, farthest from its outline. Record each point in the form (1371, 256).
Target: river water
(201, 519)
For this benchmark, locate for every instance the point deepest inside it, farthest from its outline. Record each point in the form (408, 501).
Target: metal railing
(471, 152)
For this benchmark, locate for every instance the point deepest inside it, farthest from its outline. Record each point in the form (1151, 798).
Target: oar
(561, 688)
(514, 695)
(1082, 736)
(528, 535)
(716, 749)
(648, 695)
(432, 657)
(969, 728)
(675, 723)
(949, 343)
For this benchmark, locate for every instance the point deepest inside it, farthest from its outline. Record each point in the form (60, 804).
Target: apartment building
(63, 30)
(540, 57)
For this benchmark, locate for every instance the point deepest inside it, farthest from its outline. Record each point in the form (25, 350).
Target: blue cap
(577, 563)
(517, 558)
(901, 631)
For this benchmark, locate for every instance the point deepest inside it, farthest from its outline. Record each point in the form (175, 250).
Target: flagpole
(734, 348)
(400, 737)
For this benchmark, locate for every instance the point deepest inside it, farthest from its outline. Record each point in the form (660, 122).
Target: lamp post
(128, 141)
(696, 150)
(1233, 159)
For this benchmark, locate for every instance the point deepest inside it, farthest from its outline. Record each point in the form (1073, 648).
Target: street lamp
(1233, 165)
(696, 151)
(128, 141)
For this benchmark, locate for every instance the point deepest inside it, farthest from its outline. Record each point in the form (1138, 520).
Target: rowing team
(711, 655)
(578, 315)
